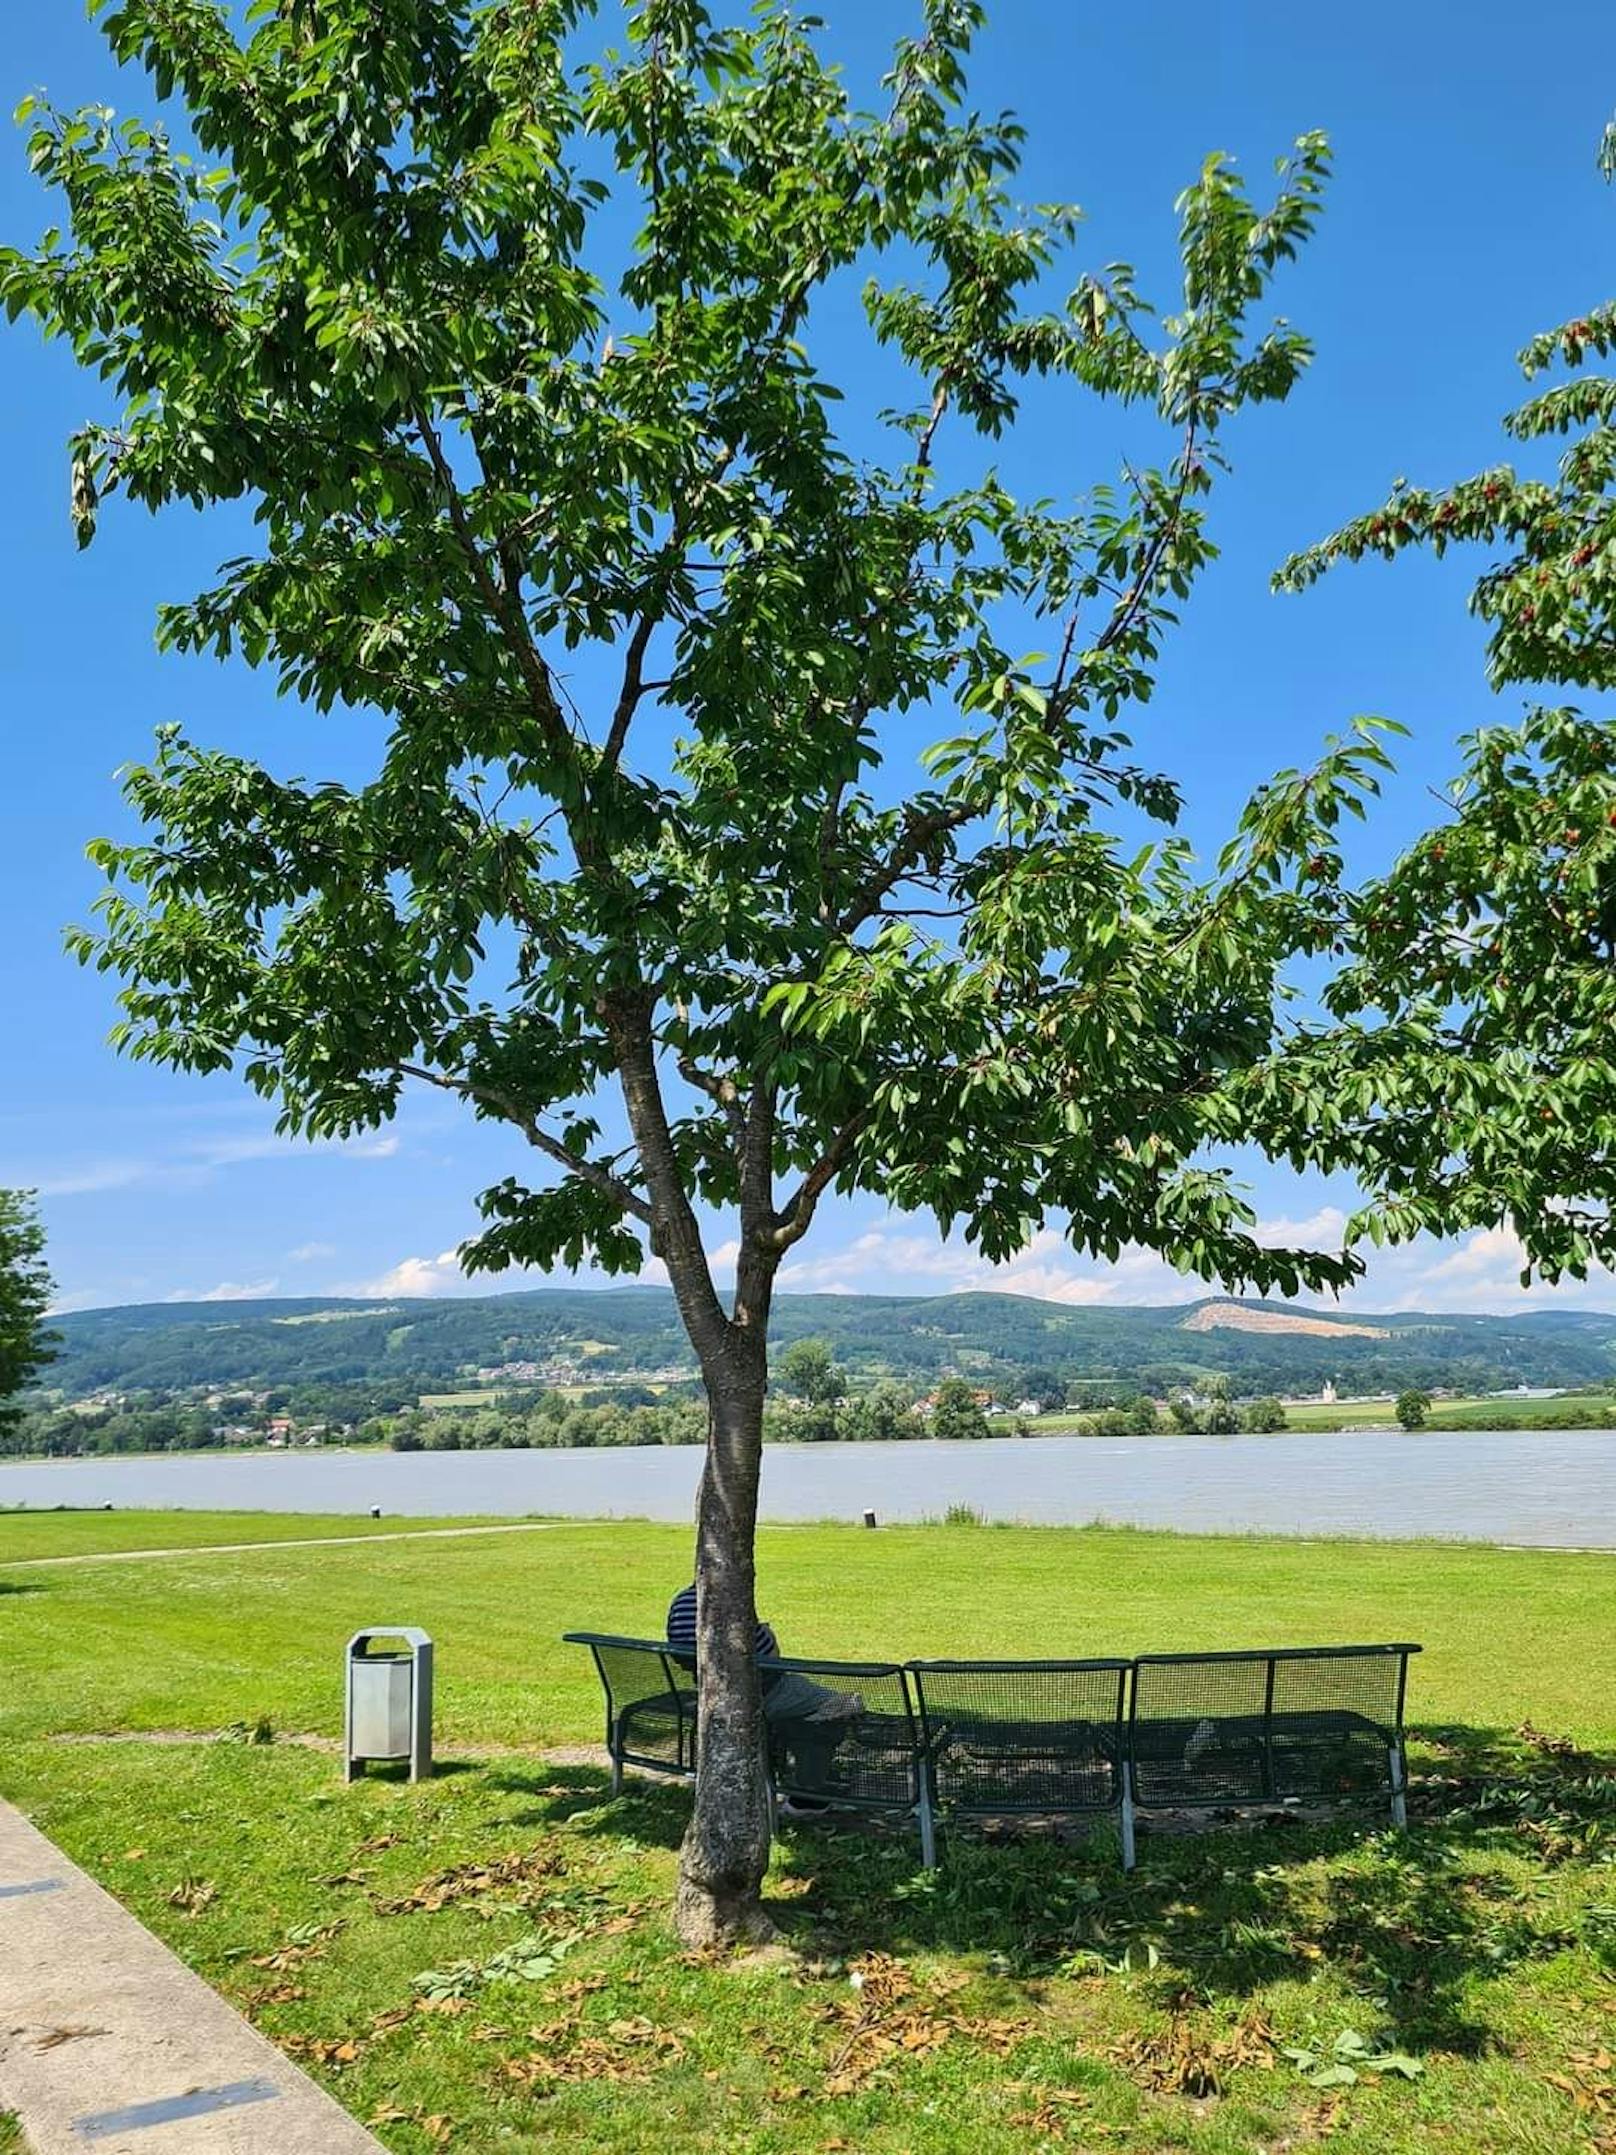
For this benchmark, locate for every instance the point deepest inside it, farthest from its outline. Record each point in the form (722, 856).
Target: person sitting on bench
(808, 1720)
(787, 1696)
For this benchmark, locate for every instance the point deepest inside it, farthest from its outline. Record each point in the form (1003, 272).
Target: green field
(1025, 1998)
(1590, 1409)
(36, 1534)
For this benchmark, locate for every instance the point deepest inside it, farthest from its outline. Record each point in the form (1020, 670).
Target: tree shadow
(653, 1812)
(1407, 1920)
(21, 1586)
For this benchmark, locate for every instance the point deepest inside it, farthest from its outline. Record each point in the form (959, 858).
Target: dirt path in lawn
(249, 1548)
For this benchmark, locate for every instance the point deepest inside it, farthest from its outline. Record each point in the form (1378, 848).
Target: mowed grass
(199, 1641)
(26, 1534)
(484, 1963)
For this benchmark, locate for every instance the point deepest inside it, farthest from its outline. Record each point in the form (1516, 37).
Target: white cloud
(1480, 1274)
(307, 1252)
(226, 1291)
(423, 1276)
(904, 1259)
(197, 1162)
(85, 1181)
(1321, 1230)
(84, 1298)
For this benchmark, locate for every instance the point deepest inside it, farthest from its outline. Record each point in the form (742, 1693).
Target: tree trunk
(726, 1850)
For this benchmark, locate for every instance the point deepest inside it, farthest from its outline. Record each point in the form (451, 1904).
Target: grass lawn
(25, 1534)
(1342, 1414)
(484, 1963)
(1590, 1409)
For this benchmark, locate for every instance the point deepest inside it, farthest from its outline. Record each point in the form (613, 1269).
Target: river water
(1551, 1487)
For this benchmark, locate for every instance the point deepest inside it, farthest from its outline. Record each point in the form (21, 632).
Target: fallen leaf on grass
(307, 1942)
(274, 1994)
(887, 2022)
(437, 2127)
(193, 1895)
(1053, 2112)
(333, 2051)
(467, 1881)
(1183, 2059)
(631, 2049)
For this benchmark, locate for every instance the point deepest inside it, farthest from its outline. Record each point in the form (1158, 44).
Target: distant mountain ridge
(167, 1346)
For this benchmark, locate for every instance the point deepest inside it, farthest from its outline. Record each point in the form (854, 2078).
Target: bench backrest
(650, 1696)
(1024, 1735)
(1254, 1726)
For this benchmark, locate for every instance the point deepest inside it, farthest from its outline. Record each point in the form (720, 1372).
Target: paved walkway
(109, 2045)
(245, 1548)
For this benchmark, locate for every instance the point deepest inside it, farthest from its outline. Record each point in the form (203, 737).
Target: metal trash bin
(389, 1712)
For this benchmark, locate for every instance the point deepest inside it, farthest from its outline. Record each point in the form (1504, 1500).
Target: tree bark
(726, 1849)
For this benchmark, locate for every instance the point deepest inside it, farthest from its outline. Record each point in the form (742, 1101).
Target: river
(1550, 1487)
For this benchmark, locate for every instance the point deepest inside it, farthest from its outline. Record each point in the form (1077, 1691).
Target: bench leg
(928, 1824)
(1399, 1780)
(1126, 1820)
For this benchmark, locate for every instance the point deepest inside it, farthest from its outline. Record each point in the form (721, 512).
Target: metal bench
(650, 1703)
(1027, 1737)
(872, 1760)
(1234, 1729)
(999, 1738)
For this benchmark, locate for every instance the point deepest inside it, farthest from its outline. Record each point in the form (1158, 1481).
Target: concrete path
(248, 1548)
(109, 2045)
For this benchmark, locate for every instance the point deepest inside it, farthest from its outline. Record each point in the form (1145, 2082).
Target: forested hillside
(621, 1332)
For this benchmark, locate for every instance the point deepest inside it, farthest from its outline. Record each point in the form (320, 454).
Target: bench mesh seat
(1246, 1728)
(1007, 1736)
(871, 1759)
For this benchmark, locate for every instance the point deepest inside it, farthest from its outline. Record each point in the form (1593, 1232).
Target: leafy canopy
(1472, 1070)
(511, 357)
(25, 1296)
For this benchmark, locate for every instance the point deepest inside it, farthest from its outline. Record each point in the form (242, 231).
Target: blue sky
(1466, 213)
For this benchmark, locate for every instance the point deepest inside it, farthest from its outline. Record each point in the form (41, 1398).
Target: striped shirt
(682, 1628)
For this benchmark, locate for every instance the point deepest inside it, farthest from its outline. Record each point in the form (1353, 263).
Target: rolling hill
(1261, 1346)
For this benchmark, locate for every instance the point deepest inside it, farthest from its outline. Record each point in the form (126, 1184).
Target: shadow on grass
(653, 1812)
(1407, 1920)
(398, 1769)
(21, 1586)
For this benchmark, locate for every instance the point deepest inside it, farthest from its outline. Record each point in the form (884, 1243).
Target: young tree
(502, 424)
(1263, 1417)
(1412, 1407)
(955, 1412)
(25, 1296)
(808, 1370)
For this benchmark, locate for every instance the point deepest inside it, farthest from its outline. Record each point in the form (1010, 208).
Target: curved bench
(1195, 1732)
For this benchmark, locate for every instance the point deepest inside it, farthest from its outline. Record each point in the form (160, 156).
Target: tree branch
(794, 1222)
(633, 688)
(503, 605)
(493, 1096)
